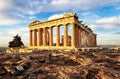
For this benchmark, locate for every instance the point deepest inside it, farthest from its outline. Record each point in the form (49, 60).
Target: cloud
(80, 4)
(14, 12)
(110, 20)
(118, 6)
(18, 31)
(1, 33)
(32, 7)
(5, 4)
(107, 23)
(6, 20)
(117, 33)
(55, 16)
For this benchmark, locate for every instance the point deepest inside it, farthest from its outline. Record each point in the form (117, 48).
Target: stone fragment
(19, 68)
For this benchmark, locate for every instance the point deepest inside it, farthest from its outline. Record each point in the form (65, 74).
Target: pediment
(35, 22)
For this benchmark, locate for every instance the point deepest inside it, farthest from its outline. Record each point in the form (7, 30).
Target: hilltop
(60, 65)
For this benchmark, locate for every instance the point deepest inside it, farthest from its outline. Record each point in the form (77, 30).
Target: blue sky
(102, 16)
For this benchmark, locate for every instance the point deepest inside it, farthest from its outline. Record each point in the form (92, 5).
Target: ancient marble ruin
(41, 33)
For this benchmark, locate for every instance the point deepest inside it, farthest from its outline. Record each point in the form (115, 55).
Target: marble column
(51, 36)
(58, 36)
(94, 40)
(65, 35)
(40, 36)
(45, 37)
(35, 37)
(73, 35)
(31, 37)
(76, 35)
(80, 37)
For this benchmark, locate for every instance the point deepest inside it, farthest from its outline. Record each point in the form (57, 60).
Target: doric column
(76, 35)
(73, 35)
(79, 36)
(31, 36)
(40, 36)
(35, 37)
(51, 36)
(95, 40)
(45, 37)
(58, 36)
(95, 43)
(65, 35)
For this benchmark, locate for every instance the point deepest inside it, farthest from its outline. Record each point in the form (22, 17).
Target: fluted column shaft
(35, 37)
(58, 36)
(73, 35)
(31, 36)
(51, 36)
(40, 36)
(95, 41)
(79, 36)
(76, 30)
(45, 37)
(65, 35)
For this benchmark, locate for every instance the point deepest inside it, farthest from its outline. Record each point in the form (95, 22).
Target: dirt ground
(60, 65)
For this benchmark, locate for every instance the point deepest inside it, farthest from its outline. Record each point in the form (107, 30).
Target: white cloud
(118, 6)
(5, 4)
(1, 33)
(115, 20)
(107, 23)
(80, 4)
(17, 31)
(32, 7)
(55, 16)
(7, 20)
(32, 17)
(15, 11)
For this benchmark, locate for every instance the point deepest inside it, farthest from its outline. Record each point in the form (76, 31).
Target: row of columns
(78, 37)
(42, 36)
(78, 31)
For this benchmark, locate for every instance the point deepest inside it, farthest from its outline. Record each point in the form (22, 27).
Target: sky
(102, 16)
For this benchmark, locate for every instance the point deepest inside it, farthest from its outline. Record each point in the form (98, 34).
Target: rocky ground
(60, 65)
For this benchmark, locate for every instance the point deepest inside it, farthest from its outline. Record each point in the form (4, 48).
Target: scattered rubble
(60, 65)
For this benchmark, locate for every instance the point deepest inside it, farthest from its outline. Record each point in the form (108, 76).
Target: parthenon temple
(49, 34)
